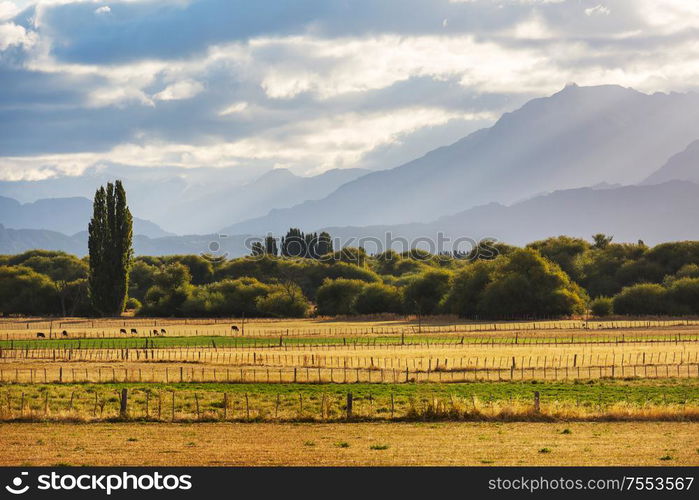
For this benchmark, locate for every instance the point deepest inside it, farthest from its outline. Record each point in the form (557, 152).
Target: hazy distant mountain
(682, 166)
(13, 241)
(278, 188)
(62, 215)
(578, 137)
(654, 214)
(198, 200)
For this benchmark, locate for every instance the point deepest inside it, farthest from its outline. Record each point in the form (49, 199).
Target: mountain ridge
(577, 137)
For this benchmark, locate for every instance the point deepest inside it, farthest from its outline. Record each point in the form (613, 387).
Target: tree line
(305, 275)
(559, 276)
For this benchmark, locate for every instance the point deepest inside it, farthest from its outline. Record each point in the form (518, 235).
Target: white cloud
(669, 16)
(234, 108)
(104, 10)
(320, 144)
(185, 89)
(8, 10)
(533, 28)
(13, 35)
(530, 53)
(598, 10)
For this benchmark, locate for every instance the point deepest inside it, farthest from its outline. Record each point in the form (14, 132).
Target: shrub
(377, 298)
(602, 306)
(642, 300)
(335, 297)
(284, 302)
(133, 304)
(526, 284)
(683, 296)
(23, 291)
(424, 292)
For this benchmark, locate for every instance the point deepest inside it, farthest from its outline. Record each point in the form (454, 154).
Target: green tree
(377, 298)
(24, 291)
(171, 291)
(257, 249)
(602, 306)
(642, 300)
(601, 241)
(526, 284)
(271, 246)
(110, 235)
(324, 244)
(294, 244)
(284, 301)
(424, 292)
(335, 297)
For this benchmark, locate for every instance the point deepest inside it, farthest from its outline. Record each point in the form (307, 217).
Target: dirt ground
(219, 444)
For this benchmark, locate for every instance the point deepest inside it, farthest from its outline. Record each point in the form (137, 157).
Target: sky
(308, 85)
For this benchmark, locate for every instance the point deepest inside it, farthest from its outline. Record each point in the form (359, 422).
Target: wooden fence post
(537, 405)
(349, 405)
(123, 408)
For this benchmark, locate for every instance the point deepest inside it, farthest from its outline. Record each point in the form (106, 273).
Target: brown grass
(366, 444)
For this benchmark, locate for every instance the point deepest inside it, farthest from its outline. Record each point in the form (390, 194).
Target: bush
(683, 296)
(602, 306)
(377, 298)
(335, 297)
(525, 284)
(644, 299)
(23, 291)
(133, 304)
(424, 292)
(284, 302)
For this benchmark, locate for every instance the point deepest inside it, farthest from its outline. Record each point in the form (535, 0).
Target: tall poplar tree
(109, 243)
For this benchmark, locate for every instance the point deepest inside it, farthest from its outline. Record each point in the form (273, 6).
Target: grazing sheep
(64, 333)
(133, 330)
(40, 335)
(234, 328)
(122, 331)
(162, 331)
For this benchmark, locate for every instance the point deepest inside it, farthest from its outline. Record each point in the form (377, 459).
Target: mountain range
(578, 137)
(584, 160)
(184, 201)
(62, 215)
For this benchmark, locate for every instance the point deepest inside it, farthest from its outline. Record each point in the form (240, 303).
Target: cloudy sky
(308, 85)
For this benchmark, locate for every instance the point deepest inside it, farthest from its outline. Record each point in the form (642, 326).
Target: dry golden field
(275, 392)
(219, 444)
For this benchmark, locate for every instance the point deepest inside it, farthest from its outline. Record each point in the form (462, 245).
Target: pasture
(383, 372)
(356, 444)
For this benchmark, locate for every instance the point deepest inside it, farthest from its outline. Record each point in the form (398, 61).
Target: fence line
(309, 375)
(187, 406)
(82, 329)
(283, 342)
(231, 357)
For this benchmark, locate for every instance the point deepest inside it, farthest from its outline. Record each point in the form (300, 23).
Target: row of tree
(295, 244)
(553, 277)
(518, 283)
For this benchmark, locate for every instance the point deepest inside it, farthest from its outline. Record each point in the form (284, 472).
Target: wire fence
(320, 375)
(287, 343)
(96, 404)
(224, 327)
(232, 357)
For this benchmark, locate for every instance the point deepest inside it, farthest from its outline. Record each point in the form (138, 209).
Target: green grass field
(636, 391)
(252, 342)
